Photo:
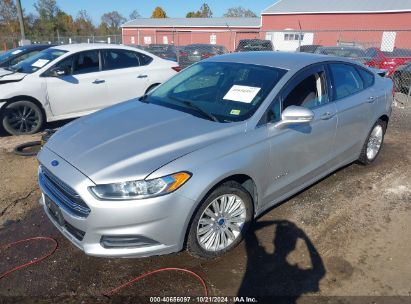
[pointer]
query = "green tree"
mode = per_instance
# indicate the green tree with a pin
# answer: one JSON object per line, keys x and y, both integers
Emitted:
{"x": 8, "y": 18}
{"x": 134, "y": 15}
{"x": 47, "y": 11}
{"x": 158, "y": 12}
{"x": 203, "y": 12}
{"x": 83, "y": 24}
{"x": 112, "y": 21}
{"x": 239, "y": 12}
{"x": 196, "y": 14}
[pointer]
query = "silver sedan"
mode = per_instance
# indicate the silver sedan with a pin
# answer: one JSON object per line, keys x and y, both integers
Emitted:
{"x": 193, "y": 162}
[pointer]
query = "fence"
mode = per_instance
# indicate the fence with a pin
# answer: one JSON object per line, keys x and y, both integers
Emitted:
{"x": 388, "y": 50}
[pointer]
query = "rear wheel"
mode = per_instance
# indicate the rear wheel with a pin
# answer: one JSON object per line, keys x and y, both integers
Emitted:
{"x": 221, "y": 221}
{"x": 372, "y": 145}
{"x": 22, "y": 117}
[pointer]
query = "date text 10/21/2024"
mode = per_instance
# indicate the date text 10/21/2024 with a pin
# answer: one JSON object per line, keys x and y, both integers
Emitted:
{"x": 203, "y": 299}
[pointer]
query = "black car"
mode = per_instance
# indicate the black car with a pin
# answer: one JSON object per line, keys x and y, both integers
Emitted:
{"x": 308, "y": 48}
{"x": 165, "y": 51}
{"x": 402, "y": 78}
{"x": 352, "y": 52}
{"x": 193, "y": 53}
{"x": 251, "y": 45}
{"x": 14, "y": 56}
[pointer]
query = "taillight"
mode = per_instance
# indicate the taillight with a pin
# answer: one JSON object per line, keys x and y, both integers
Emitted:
{"x": 177, "y": 68}
{"x": 206, "y": 55}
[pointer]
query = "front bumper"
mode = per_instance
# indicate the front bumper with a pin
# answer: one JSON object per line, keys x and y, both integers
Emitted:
{"x": 162, "y": 220}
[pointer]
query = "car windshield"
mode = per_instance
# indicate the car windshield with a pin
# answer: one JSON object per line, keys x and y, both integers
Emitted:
{"x": 7, "y": 54}
{"x": 351, "y": 53}
{"x": 37, "y": 61}
{"x": 224, "y": 92}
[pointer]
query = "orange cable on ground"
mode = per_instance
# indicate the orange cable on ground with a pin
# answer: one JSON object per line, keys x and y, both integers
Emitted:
{"x": 33, "y": 261}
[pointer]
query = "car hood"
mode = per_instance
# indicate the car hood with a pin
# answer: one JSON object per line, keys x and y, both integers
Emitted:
{"x": 9, "y": 76}
{"x": 131, "y": 140}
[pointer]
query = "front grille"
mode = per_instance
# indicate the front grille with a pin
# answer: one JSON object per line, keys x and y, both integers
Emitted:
{"x": 63, "y": 194}
{"x": 77, "y": 233}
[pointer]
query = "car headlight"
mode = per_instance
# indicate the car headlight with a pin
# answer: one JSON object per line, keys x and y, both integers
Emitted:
{"x": 141, "y": 188}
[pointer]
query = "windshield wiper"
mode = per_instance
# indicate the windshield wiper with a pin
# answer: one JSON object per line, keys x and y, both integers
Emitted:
{"x": 195, "y": 107}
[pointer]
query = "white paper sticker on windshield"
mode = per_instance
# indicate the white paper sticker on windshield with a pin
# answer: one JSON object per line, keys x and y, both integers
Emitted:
{"x": 241, "y": 93}
{"x": 40, "y": 63}
{"x": 16, "y": 52}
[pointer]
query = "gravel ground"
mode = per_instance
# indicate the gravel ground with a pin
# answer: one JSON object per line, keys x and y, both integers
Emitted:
{"x": 344, "y": 238}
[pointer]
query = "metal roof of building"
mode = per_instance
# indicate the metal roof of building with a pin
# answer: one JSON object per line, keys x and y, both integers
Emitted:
{"x": 287, "y": 7}
{"x": 194, "y": 22}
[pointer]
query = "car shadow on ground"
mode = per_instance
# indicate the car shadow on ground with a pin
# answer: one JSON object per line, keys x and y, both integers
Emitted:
{"x": 271, "y": 274}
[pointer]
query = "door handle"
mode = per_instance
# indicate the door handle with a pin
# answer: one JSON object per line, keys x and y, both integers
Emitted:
{"x": 142, "y": 76}
{"x": 371, "y": 99}
{"x": 327, "y": 115}
{"x": 97, "y": 81}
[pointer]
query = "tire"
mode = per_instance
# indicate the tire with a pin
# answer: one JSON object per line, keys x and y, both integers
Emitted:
{"x": 375, "y": 140}
{"x": 213, "y": 246}
{"x": 22, "y": 117}
{"x": 21, "y": 149}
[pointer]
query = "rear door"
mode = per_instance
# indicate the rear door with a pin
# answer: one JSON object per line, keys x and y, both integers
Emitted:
{"x": 126, "y": 73}
{"x": 300, "y": 153}
{"x": 354, "y": 96}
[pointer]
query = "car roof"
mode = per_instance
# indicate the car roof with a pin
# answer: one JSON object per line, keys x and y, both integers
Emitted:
{"x": 76, "y": 47}
{"x": 340, "y": 48}
{"x": 283, "y": 60}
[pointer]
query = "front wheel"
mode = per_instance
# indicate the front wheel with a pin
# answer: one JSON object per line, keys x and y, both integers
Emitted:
{"x": 22, "y": 117}
{"x": 221, "y": 221}
{"x": 372, "y": 145}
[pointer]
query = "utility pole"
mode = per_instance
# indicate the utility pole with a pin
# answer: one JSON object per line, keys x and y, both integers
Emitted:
{"x": 20, "y": 16}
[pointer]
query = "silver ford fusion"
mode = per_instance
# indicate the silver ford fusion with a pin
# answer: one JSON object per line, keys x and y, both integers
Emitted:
{"x": 192, "y": 163}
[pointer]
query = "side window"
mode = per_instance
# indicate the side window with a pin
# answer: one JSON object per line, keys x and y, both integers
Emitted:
{"x": 144, "y": 59}
{"x": 86, "y": 62}
{"x": 367, "y": 77}
{"x": 346, "y": 80}
{"x": 66, "y": 65}
{"x": 311, "y": 92}
{"x": 120, "y": 59}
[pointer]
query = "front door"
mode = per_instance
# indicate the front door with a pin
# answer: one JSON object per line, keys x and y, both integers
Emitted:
{"x": 82, "y": 89}
{"x": 301, "y": 152}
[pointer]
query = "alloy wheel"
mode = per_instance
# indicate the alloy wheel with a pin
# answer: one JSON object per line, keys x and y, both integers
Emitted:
{"x": 22, "y": 119}
{"x": 374, "y": 142}
{"x": 221, "y": 222}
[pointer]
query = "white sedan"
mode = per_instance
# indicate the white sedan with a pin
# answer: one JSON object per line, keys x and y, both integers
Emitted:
{"x": 69, "y": 81}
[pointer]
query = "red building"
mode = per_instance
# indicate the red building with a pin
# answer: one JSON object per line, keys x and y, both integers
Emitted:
{"x": 381, "y": 23}
{"x": 183, "y": 31}
{"x": 385, "y": 24}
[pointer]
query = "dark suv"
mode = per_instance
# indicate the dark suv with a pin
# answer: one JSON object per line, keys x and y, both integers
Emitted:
{"x": 250, "y": 45}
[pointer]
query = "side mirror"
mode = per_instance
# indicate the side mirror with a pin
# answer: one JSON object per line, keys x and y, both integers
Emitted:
{"x": 57, "y": 72}
{"x": 295, "y": 115}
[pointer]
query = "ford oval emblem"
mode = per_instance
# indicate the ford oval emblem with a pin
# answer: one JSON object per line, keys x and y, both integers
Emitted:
{"x": 54, "y": 163}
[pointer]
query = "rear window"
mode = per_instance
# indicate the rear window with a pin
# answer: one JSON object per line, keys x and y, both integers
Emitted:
{"x": 346, "y": 80}
{"x": 367, "y": 77}
{"x": 120, "y": 59}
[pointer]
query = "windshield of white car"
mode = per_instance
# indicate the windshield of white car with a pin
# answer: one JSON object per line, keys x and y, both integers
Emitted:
{"x": 218, "y": 91}
{"x": 37, "y": 61}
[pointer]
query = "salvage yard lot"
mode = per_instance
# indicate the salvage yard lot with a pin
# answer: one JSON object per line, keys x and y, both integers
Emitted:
{"x": 348, "y": 235}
